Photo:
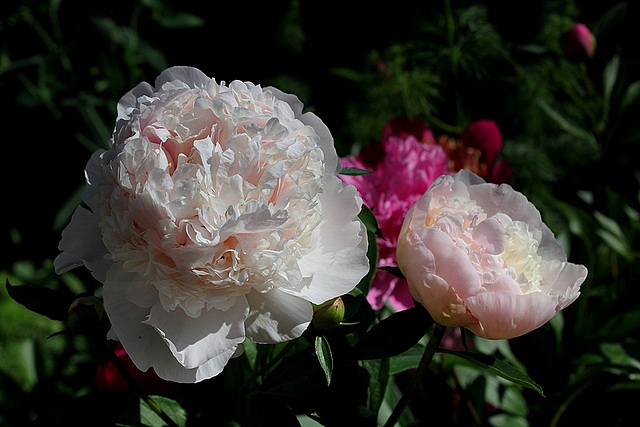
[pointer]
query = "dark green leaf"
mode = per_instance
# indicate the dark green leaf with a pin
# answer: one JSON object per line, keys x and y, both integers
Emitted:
{"x": 323, "y": 353}
{"x": 394, "y": 335}
{"x": 372, "y": 256}
{"x": 407, "y": 360}
{"x": 378, "y": 370}
{"x": 496, "y": 367}
{"x": 369, "y": 220}
{"x": 41, "y": 300}
{"x": 148, "y": 417}
{"x": 354, "y": 171}
{"x": 394, "y": 270}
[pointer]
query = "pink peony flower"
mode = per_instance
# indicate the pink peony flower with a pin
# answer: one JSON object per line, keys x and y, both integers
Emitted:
{"x": 404, "y": 167}
{"x": 578, "y": 42}
{"x": 215, "y": 215}
{"x": 484, "y": 135}
{"x": 476, "y": 150}
{"x": 478, "y": 255}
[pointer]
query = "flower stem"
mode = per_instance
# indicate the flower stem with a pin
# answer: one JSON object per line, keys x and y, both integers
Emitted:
{"x": 427, "y": 357}
{"x": 261, "y": 370}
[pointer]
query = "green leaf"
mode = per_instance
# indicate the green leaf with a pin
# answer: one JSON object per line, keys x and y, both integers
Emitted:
{"x": 393, "y": 335}
{"x": 354, "y": 171}
{"x": 496, "y": 367}
{"x": 407, "y": 360}
{"x": 378, "y": 379}
{"x": 40, "y": 299}
{"x": 369, "y": 220}
{"x": 323, "y": 353}
{"x": 609, "y": 77}
{"x": 148, "y": 417}
{"x": 372, "y": 251}
{"x": 394, "y": 271}
{"x": 568, "y": 126}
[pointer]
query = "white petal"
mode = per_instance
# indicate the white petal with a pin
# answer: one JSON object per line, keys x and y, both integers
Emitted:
{"x": 189, "y": 75}
{"x": 141, "y": 341}
{"x": 194, "y": 341}
{"x": 276, "y": 317}
{"x": 339, "y": 261}
{"x": 82, "y": 244}
{"x": 332, "y": 165}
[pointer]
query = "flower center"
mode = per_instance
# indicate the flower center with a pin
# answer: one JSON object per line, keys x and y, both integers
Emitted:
{"x": 495, "y": 245}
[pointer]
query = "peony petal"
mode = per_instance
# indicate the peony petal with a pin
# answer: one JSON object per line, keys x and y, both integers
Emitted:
{"x": 75, "y": 252}
{"x": 194, "y": 341}
{"x": 451, "y": 263}
{"x": 565, "y": 279}
{"x": 332, "y": 164}
{"x": 141, "y": 341}
{"x": 504, "y": 315}
{"x": 418, "y": 265}
{"x": 339, "y": 261}
{"x": 276, "y": 316}
{"x": 193, "y": 77}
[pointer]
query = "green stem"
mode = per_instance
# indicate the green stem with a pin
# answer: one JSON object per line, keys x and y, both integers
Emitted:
{"x": 134, "y": 387}
{"x": 277, "y": 358}
{"x": 423, "y": 366}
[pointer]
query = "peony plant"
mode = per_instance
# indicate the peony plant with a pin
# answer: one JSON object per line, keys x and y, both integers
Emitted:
{"x": 215, "y": 215}
{"x": 478, "y": 255}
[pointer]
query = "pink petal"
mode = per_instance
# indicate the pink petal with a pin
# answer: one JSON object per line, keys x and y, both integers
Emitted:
{"x": 504, "y": 315}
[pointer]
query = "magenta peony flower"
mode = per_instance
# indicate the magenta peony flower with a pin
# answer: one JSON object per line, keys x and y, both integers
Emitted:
{"x": 478, "y": 255}
{"x": 578, "y": 42}
{"x": 403, "y": 168}
{"x": 484, "y": 135}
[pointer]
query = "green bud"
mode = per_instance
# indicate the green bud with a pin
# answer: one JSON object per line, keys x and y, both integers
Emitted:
{"x": 328, "y": 315}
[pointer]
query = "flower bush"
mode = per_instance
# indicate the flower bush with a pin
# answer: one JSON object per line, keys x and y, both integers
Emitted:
{"x": 478, "y": 255}
{"x": 215, "y": 215}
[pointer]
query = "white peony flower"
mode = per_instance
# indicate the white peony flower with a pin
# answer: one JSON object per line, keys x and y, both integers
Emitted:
{"x": 215, "y": 215}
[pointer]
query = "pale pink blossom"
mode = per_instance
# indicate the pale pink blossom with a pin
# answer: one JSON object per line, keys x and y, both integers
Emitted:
{"x": 403, "y": 168}
{"x": 215, "y": 215}
{"x": 478, "y": 255}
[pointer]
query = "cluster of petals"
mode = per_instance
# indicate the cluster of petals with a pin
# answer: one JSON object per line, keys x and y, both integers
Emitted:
{"x": 478, "y": 255}
{"x": 215, "y": 215}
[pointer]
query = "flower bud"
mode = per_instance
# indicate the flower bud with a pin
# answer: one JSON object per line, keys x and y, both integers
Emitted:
{"x": 328, "y": 315}
{"x": 84, "y": 314}
{"x": 578, "y": 43}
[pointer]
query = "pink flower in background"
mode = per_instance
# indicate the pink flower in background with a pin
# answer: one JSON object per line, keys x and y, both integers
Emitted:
{"x": 478, "y": 255}
{"x": 476, "y": 150}
{"x": 108, "y": 376}
{"x": 578, "y": 42}
{"x": 404, "y": 165}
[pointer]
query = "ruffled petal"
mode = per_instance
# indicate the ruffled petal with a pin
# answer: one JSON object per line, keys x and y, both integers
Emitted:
{"x": 143, "y": 344}
{"x": 76, "y": 252}
{"x": 276, "y": 316}
{"x": 194, "y": 341}
{"x": 193, "y": 77}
